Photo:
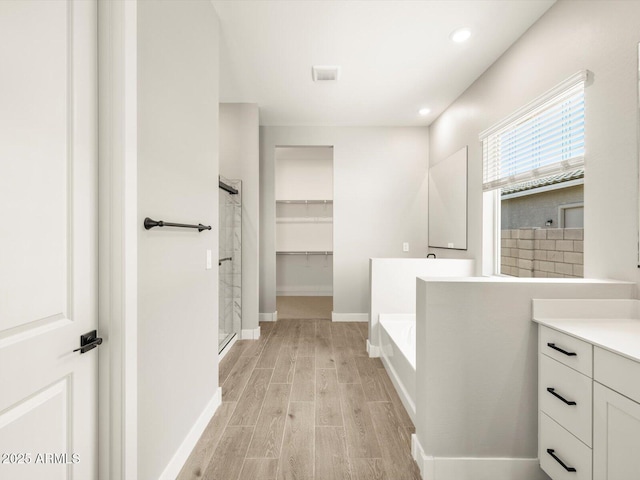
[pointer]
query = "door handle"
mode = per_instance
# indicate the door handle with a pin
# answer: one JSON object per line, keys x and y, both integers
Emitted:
{"x": 89, "y": 341}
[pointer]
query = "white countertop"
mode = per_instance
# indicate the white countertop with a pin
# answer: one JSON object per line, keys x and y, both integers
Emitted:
{"x": 618, "y": 335}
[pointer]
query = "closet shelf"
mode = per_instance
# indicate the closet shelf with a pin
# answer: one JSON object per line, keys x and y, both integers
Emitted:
{"x": 307, "y": 202}
{"x": 304, "y": 253}
{"x": 304, "y": 220}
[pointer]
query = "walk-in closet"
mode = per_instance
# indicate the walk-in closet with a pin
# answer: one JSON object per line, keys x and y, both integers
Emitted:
{"x": 304, "y": 231}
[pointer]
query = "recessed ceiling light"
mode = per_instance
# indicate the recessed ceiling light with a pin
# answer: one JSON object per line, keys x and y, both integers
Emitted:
{"x": 460, "y": 35}
{"x": 424, "y": 111}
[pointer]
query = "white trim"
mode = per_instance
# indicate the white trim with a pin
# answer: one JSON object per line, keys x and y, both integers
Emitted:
{"x": 547, "y": 188}
{"x": 226, "y": 348}
{"x": 473, "y": 468}
{"x": 490, "y": 233}
{"x": 493, "y": 468}
{"x": 372, "y": 350}
{"x": 638, "y": 147}
{"x": 349, "y": 317}
{"x": 182, "y": 454}
{"x": 250, "y": 334}
{"x": 405, "y": 398}
{"x": 268, "y": 317}
{"x": 118, "y": 238}
{"x": 576, "y": 78}
{"x": 425, "y": 463}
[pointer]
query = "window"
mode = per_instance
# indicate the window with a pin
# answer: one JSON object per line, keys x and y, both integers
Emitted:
{"x": 571, "y": 215}
{"x": 533, "y": 162}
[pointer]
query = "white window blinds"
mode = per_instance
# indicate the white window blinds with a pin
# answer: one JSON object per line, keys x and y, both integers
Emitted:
{"x": 544, "y": 138}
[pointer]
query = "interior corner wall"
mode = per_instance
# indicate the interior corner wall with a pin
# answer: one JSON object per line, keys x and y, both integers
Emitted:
{"x": 601, "y": 36}
{"x": 177, "y": 181}
{"x": 239, "y": 159}
{"x": 483, "y": 403}
{"x": 380, "y": 201}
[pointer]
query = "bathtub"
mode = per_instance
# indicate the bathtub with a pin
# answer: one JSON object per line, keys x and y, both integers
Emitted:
{"x": 398, "y": 354}
{"x": 392, "y": 287}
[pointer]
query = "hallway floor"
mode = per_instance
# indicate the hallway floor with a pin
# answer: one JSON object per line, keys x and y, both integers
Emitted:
{"x": 305, "y": 402}
{"x": 294, "y": 307}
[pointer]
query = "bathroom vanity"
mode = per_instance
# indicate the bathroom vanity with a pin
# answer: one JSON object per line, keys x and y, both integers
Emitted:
{"x": 589, "y": 388}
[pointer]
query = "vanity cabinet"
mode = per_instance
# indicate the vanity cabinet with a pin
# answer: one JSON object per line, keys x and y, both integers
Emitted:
{"x": 616, "y": 435}
{"x": 589, "y": 409}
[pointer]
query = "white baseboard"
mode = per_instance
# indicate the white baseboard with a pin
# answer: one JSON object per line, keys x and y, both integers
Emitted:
{"x": 250, "y": 334}
{"x": 421, "y": 459}
{"x": 474, "y": 468}
{"x": 373, "y": 350}
{"x": 268, "y": 317}
{"x": 349, "y": 317}
{"x": 180, "y": 457}
{"x": 405, "y": 398}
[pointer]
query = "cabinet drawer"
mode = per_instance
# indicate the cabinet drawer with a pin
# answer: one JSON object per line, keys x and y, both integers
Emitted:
{"x": 553, "y": 440}
{"x": 566, "y": 349}
{"x": 566, "y": 396}
{"x": 616, "y": 372}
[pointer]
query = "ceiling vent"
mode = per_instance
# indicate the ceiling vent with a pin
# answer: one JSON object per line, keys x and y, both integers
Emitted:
{"x": 325, "y": 73}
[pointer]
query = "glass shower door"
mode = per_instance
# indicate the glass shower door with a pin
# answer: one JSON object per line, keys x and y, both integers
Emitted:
{"x": 230, "y": 261}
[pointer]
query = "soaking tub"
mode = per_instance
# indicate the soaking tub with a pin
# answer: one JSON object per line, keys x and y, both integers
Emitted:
{"x": 398, "y": 353}
{"x": 393, "y": 287}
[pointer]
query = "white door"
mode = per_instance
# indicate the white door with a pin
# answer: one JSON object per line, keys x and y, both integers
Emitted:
{"x": 616, "y": 435}
{"x": 48, "y": 239}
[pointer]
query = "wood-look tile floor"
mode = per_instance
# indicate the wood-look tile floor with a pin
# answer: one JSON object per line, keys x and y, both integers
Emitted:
{"x": 305, "y": 402}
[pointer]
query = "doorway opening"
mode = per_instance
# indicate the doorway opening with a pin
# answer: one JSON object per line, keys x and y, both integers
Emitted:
{"x": 304, "y": 231}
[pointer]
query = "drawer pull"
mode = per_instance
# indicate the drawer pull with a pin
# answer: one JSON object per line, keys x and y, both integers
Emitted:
{"x": 552, "y": 391}
{"x": 568, "y": 354}
{"x": 568, "y": 469}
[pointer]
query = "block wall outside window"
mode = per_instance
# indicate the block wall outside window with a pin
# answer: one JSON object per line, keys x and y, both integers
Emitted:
{"x": 542, "y": 252}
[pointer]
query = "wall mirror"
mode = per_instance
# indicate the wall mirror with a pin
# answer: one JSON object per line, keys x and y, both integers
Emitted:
{"x": 448, "y": 202}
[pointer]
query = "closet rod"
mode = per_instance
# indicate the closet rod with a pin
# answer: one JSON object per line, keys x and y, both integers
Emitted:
{"x": 304, "y": 253}
{"x": 306, "y": 202}
{"x": 227, "y": 188}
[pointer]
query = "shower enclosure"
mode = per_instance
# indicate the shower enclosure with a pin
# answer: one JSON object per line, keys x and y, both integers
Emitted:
{"x": 230, "y": 261}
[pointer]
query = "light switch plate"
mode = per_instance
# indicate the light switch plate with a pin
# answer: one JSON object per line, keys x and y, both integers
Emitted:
{"x": 209, "y": 260}
{"x": 405, "y": 247}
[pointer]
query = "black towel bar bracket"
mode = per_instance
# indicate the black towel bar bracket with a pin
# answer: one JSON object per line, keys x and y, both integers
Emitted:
{"x": 149, "y": 224}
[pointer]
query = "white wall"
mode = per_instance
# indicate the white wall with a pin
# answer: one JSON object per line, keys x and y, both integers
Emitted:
{"x": 476, "y": 358}
{"x": 601, "y": 36}
{"x": 304, "y": 173}
{"x": 304, "y": 276}
{"x": 239, "y": 159}
{"x": 177, "y": 175}
{"x": 380, "y": 198}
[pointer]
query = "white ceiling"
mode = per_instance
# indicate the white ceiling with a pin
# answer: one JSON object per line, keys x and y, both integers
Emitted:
{"x": 395, "y": 56}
